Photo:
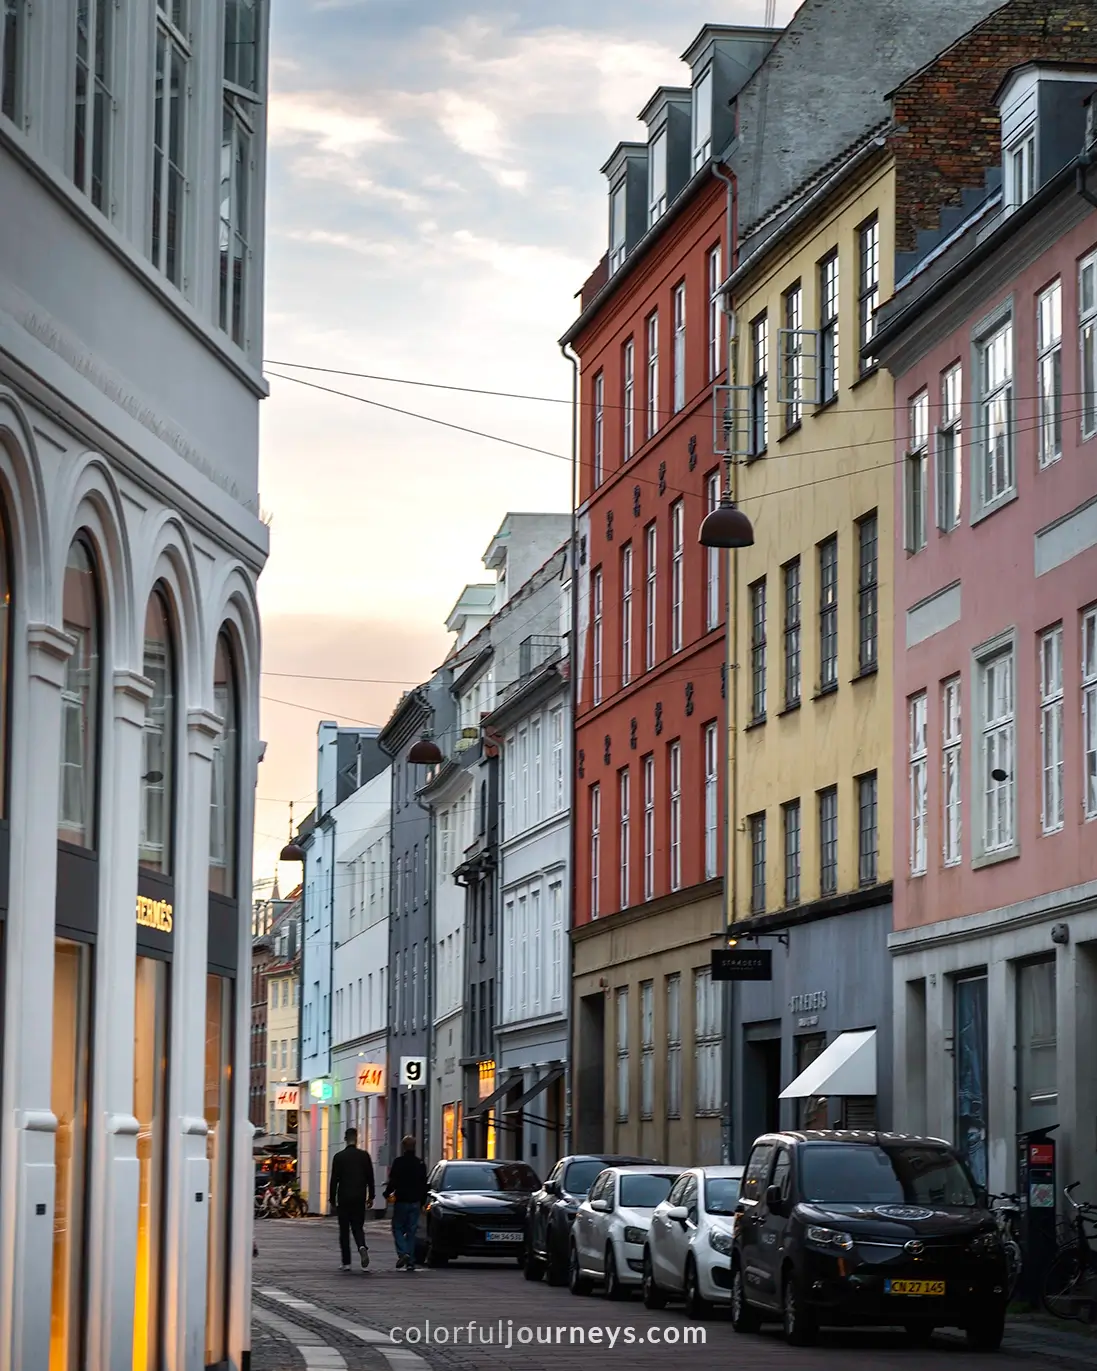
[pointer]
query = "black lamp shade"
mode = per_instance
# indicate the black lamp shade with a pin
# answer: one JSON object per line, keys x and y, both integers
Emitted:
{"x": 726, "y": 526}
{"x": 292, "y": 852}
{"x": 425, "y": 752}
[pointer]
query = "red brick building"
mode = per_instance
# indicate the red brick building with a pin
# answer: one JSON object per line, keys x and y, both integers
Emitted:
{"x": 650, "y": 635}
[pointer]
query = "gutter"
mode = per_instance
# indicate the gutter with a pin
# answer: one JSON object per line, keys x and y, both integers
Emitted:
{"x": 573, "y": 702}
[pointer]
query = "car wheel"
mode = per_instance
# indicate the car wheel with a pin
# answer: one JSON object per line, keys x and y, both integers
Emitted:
{"x": 919, "y": 1334}
{"x": 800, "y": 1328}
{"x": 557, "y": 1264}
{"x": 614, "y": 1289}
{"x": 696, "y": 1304}
{"x": 985, "y": 1333}
{"x": 432, "y": 1256}
{"x": 578, "y": 1284}
{"x": 533, "y": 1267}
{"x": 653, "y": 1296}
{"x": 744, "y": 1319}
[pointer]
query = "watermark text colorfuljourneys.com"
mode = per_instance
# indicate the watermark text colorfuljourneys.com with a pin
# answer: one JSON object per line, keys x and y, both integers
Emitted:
{"x": 506, "y": 1333}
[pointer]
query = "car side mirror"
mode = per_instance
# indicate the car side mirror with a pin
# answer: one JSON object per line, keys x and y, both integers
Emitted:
{"x": 601, "y": 1206}
{"x": 678, "y": 1212}
{"x": 551, "y": 1188}
{"x": 775, "y": 1199}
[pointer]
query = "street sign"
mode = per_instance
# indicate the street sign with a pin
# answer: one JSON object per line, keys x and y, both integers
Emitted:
{"x": 413, "y": 1071}
{"x": 371, "y": 1078}
{"x": 742, "y": 964}
{"x": 287, "y": 1097}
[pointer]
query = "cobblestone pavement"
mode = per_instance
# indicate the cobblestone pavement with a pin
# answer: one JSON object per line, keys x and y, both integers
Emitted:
{"x": 297, "y": 1278}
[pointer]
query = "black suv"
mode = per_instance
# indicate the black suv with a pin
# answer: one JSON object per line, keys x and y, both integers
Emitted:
{"x": 863, "y": 1229}
{"x": 552, "y": 1211}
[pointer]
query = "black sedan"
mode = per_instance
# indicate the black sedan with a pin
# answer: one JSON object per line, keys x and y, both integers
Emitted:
{"x": 552, "y": 1211}
{"x": 475, "y": 1209}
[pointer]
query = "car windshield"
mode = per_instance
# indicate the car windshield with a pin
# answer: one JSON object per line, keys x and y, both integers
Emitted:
{"x": 580, "y": 1176}
{"x": 473, "y": 1176}
{"x": 857, "y": 1174}
{"x": 721, "y": 1194}
{"x": 644, "y": 1192}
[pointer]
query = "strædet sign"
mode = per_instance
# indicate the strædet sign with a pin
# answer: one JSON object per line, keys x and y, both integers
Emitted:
{"x": 742, "y": 964}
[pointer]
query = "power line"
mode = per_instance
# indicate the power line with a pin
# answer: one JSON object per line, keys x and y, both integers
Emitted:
{"x": 349, "y": 680}
{"x": 293, "y": 704}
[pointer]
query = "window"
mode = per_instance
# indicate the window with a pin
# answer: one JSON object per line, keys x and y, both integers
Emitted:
{"x": 523, "y": 779}
{"x": 673, "y": 1098}
{"x": 949, "y": 451}
{"x": 1051, "y": 729}
{"x": 76, "y": 822}
{"x": 647, "y": 1049}
{"x": 653, "y": 374}
{"x": 828, "y": 614}
{"x": 237, "y": 131}
{"x": 713, "y": 608}
{"x": 657, "y": 177}
{"x": 169, "y": 181}
{"x": 1089, "y": 713}
{"x": 650, "y": 595}
{"x": 12, "y": 37}
{"x": 625, "y": 816}
{"x": 868, "y": 288}
{"x": 1037, "y": 1046}
{"x": 677, "y": 573}
{"x": 996, "y": 362}
{"x": 618, "y": 226}
{"x": 596, "y": 633}
{"x": 828, "y": 841}
{"x": 998, "y": 763}
{"x": 715, "y": 314}
{"x": 556, "y": 898}
{"x": 794, "y": 356}
{"x": 158, "y": 739}
{"x": 707, "y": 1040}
{"x": 1049, "y": 370}
{"x": 557, "y": 723}
{"x": 626, "y": 614}
{"x": 919, "y": 783}
{"x": 536, "y": 814}
{"x": 868, "y": 832}
{"x": 950, "y": 769}
{"x": 757, "y": 593}
{"x": 94, "y": 101}
{"x": 759, "y": 385}
{"x": 867, "y": 588}
{"x": 917, "y": 469}
{"x": 649, "y": 826}
{"x": 628, "y": 399}
{"x": 523, "y": 956}
{"x": 791, "y": 572}
{"x": 702, "y": 120}
{"x": 712, "y": 801}
{"x": 757, "y": 825}
{"x": 674, "y": 773}
{"x": 679, "y": 347}
{"x": 622, "y": 1054}
{"x": 1087, "y": 327}
{"x": 225, "y": 779}
{"x": 595, "y": 847}
{"x": 791, "y": 815}
{"x": 1021, "y": 166}
{"x": 599, "y": 403}
{"x": 828, "y": 328}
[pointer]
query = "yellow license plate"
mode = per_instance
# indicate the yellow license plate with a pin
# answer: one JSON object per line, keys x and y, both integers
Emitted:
{"x": 915, "y": 1287}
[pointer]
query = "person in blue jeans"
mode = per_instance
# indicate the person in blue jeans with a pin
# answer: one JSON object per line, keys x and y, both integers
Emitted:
{"x": 407, "y": 1189}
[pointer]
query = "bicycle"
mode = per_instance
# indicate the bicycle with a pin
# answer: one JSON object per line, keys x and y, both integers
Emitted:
{"x": 1070, "y": 1286}
{"x": 1007, "y": 1215}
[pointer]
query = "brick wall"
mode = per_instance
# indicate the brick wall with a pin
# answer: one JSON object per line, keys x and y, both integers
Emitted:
{"x": 946, "y": 123}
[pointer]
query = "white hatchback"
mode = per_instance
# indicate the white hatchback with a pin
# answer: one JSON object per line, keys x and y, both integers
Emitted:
{"x": 688, "y": 1251}
{"x": 611, "y": 1228}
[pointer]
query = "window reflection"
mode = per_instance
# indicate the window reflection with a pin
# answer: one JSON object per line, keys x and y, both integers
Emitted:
{"x": 158, "y": 755}
{"x": 80, "y": 700}
{"x": 149, "y": 1091}
{"x": 225, "y": 779}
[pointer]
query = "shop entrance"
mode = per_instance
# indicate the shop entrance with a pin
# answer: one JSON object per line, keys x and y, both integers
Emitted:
{"x": 761, "y": 1080}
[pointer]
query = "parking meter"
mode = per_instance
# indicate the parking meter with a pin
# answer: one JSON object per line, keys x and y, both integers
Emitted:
{"x": 1037, "y": 1187}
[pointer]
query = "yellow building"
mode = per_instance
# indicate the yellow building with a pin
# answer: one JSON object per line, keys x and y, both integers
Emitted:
{"x": 811, "y": 622}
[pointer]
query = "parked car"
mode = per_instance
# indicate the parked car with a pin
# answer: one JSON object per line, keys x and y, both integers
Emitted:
{"x": 611, "y": 1227}
{"x": 475, "y": 1209}
{"x": 688, "y": 1252}
{"x": 553, "y": 1208}
{"x": 865, "y": 1229}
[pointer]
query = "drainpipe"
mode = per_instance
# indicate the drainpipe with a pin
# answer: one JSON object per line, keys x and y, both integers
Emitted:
{"x": 573, "y": 696}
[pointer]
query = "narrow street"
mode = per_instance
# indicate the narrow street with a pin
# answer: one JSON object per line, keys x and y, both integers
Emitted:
{"x": 309, "y": 1314}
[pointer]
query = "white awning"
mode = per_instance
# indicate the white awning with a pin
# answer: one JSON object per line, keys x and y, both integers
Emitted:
{"x": 846, "y": 1067}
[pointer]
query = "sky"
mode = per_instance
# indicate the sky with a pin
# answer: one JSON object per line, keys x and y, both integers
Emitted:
{"x": 434, "y": 203}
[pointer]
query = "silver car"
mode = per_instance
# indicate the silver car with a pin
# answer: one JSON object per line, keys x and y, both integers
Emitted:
{"x": 611, "y": 1228}
{"x": 688, "y": 1251}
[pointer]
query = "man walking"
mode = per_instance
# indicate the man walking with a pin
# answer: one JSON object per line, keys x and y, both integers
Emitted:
{"x": 407, "y": 1188}
{"x": 350, "y": 1194}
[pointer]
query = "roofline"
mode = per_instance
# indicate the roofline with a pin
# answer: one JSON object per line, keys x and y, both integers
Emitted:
{"x": 621, "y": 146}
{"x": 664, "y": 94}
{"x": 1037, "y": 65}
{"x": 932, "y": 61}
{"x": 719, "y": 31}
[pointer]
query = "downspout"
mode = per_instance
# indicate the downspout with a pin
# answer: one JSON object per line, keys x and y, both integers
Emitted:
{"x": 573, "y": 700}
{"x": 428, "y": 895}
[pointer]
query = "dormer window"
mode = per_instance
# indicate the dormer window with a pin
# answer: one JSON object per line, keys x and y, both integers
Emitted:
{"x": 702, "y": 120}
{"x": 1021, "y": 170}
{"x": 657, "y": 177}
{"x": 617, "y": 238}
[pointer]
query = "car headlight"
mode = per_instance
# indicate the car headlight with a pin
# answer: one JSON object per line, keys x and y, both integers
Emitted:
{"x": 720, "y": 1242}
{"x": 636, "y": 1235}
{"x": 829, "y": 1237}
{"x": 986, "y": 1244}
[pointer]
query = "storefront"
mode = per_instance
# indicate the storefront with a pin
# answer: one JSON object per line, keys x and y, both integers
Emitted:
{"x": 812, "y": 1046}
{"x": 360, "y": 1078}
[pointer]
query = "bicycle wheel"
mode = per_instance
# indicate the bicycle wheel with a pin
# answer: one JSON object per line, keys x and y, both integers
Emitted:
{"x": 1070, "y": 1286}
{"x": 1013, "y": 1266}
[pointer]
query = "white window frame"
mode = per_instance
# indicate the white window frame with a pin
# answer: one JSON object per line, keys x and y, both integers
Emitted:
{"x": 715, "y": 313}
{"x": 951, "y": 774}
{"x": 756, "y": 595}
{"x": 556, "y": 900}
{"x": 651, "y": 594}
{"x": 657, "y": 177}
{"x": 595, "y": 849}
{"x": 995, "y": 666}
{"x": 1052, "y": 804}
{"x": 628, "y": 406}
{"x": 596, "y": 634}
{"x": 1089, "y": 713}
{"x": 13, "y": 99}
{"x": 674, "y": 796}
{"x": 1049, "y": 372}
{"x": 756, "y": 827}
{"x": 702, "y": 119}
{"x": 1021, "y": 170}
{"x": 557, "y": 721}
{"x": 652, "y": 397}
{"x": 868, "y": 288}
{"x": 621, "y": 1007}
{"x": 830, "y": 288}
{"x": 714, "y": 609}
{"x": 624, "y": 821}
{"x": 677, "y": 574}
{"x": 792, "y": 840}
{"x": 537, "y": 759}
{"x": 712, "y": 800}
{"x": 918, "y": 740}
{"x": 170, "y": 41}
{"x": 99, "y": 100}
{"x": 792, "y": 344}
{"x": 618, "y": 226}
{"x": 599, "y": 427}
{"x": 649, "y": 826}
{"x": 708, "y": 1037}
{"x": 916, "y": 484}
{"x": 673, "y": 1100}
{"x": 996, "y": 416}
{"x": 679, "y": 353}
{"x": 626, "y": 614}
{"x": 647, "y": 1049}
{"x": 238, "y": 138}
{"x": 950, "y": 464}
{"x": 1087, "y": 341}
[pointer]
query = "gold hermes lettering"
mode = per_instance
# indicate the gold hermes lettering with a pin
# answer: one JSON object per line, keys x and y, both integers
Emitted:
{"x": 154, "y": 914}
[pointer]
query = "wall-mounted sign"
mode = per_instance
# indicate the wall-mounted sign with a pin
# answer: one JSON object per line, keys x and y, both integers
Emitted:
{"x": 321, "y": 1089}
{"x": 413, "y": 1071}
{"x": 371, "y": 1078}
{"x": 742, "y": 964}
{"x": 804, "y": 1004}
{"x": 287, "y": 1097}
{"x": 154, "y": 914}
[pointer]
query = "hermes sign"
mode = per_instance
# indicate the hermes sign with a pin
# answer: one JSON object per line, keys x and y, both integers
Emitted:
{"x": 154, "y": 914}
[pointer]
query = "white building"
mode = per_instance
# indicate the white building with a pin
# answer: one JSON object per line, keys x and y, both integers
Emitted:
{"x": 282, "y": 974}
{"x": 132, "y": 151}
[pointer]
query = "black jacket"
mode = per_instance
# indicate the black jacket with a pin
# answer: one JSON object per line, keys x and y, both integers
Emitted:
{"x": 407, "y": 1183}
{"x": 351, "y": 1177}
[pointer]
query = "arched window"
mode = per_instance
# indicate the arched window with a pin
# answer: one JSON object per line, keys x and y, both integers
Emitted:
{"x": 158, "y": 756}
{"x": 226, "y": 773}
{"x": 80, "y": 700}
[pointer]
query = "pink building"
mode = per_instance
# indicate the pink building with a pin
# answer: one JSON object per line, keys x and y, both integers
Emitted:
{"x": 992, "y": 339}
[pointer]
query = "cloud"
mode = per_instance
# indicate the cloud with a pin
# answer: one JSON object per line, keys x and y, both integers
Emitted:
{"x": 324, "y": 120}
{"x": 346, "y": 241}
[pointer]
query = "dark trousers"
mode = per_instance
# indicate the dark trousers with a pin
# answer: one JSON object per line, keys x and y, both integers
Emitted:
{"x": 405, "y": 1225}
{"x": 351, "y": 1216}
